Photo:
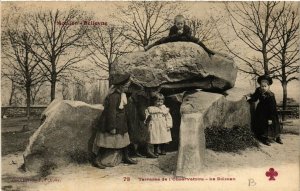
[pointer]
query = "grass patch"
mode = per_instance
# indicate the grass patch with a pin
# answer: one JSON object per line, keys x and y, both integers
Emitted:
{"x": 13, "y": 138}
{"x": 229, "y": 139}
{"x": 13, "y": 142}
{"x": 16, "y": 124}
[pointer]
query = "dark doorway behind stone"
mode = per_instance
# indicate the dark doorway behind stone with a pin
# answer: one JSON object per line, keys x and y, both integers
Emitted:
{"x": 174, "y": 107}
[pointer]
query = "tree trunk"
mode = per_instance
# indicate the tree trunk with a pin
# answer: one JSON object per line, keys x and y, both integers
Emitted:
{"x": 28, "y": 103}
{"x": 109, "y": 70}
{"x": 265, "y": 41}
{"x": 12, "y": 92}
{"x": 53, "y": 85}
{"x": 33, "y": 99}
{"x": 284, "y": 99}
{"x": 53, "y": 76}
{"x": 266, "y": 68}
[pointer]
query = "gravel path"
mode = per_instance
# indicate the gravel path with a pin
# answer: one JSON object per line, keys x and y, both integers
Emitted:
{"x": 246, "y": 171}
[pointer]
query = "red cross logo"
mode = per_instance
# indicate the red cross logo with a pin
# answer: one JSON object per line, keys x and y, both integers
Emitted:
{"x": 271, "y": 173}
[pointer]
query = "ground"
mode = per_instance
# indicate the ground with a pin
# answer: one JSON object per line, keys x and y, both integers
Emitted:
{"x": 14, "y": 139}
{"x": 247, "y": 168}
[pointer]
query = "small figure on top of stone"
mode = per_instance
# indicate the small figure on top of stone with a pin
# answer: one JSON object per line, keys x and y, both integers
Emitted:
{"x": 180, "y": 32}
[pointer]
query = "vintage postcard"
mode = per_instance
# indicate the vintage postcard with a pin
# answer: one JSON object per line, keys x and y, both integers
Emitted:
{"x": 150, "y": 95}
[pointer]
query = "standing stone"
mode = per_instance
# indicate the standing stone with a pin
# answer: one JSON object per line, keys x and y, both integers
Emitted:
{"x": 63, "y": 137}
{"x": 200, "y": 110}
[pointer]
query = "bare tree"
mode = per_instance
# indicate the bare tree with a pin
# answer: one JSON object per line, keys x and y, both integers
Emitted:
{"x": 271, "y": 30}
{"x": 80, "y": 91}
{"x": 19, "y": 65}
{"x": 287, "y": 67}
{"x": 8, "y": 18}
{"x": 11, "y": 15}
{"x": 95, "y": 94}
{"x": 147, "y": 21}
{"x": 17, "y": 96}
{"x": 59, "y": 39}
{"x": 65, "y": 89}
{"x": 13, "y": 88}
{"x": 106, "y": 45}
{"x": 205, "y": 30}
{"x": 255, "y": 25}
{"x": 35, "y": 90}
{"x": 103, "y": 89}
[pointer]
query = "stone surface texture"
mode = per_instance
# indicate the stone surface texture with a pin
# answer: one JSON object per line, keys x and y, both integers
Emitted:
{"x": 200, "y": 110}
{"x": 63, "y": 136}
{"x": 178, "y": 65}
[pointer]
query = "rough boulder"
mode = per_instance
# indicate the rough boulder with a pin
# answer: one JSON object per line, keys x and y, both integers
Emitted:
{"x": 63, "y": 136}
{"x": 178, "y": 65}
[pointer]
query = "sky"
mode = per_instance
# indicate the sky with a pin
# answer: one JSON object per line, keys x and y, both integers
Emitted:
{"x": 105, "y": 8}
{"x": 103, "y": 11}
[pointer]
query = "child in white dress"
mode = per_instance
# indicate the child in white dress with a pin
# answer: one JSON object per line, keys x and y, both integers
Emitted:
{"x": 159, "y": 123}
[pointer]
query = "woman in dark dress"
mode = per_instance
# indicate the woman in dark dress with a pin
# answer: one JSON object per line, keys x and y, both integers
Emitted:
{"x": 113, "y": 126}
{"x": 266, "y": 119}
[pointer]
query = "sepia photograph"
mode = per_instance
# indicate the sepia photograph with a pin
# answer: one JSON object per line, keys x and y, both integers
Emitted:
{"x": 150, "y": 95}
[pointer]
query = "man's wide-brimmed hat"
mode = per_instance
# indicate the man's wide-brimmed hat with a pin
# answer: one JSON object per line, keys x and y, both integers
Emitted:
{"x": 119, "y": 79}
{"x": 265, "y": 77}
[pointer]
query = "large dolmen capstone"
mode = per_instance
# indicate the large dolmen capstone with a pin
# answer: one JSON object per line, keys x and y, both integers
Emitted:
{"x": 63, "y": 136}
{"x": 200, "y": 110}
{"x": 178, "y": 65}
